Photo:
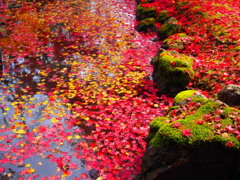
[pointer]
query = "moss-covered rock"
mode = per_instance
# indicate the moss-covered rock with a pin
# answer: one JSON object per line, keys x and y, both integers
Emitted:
{"x": 190, "y": 138}
{"x": 146, "y": 25}
{"x": 197, "y": 123}
{"x": 145, "y": 12}
{"x": 176, "y": 41}
{"x": 172, "y": 71}
{"x": 185, "y": 96}
{"x": 169, "y": 28}
{"x": 163, "y": 16}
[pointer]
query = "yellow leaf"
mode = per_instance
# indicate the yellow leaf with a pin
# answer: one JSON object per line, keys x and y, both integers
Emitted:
{"x": 28, "y": 165}
{"x": 3, "y": 126}
{"x": 87, "y": 118}
{"x": 54, "y": 120}
{"x": 65, "y": 175}
{"x": 20, "y": 131}
{"x": 77, "y": 137}
{"x": 7, "y": 109}
{"x": 69, "y": 137}
{"x": 31, "y": 170}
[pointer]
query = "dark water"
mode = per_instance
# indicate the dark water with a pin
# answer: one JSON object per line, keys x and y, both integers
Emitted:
{"x": 23, "y": 88}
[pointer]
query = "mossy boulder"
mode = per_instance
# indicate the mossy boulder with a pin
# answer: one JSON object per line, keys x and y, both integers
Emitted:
{"x": 145, "y": 12}
{"x": 196, "y": 123}
{"x": 170, "y": 27}
{"x": 163, "y": 16}
{"x": 172, "y": 71}
{"x": 185, "y": 96}
{"x": 176, "y": 41}
{"x": 199, "y": 136}
{"x": 146, "y": 25}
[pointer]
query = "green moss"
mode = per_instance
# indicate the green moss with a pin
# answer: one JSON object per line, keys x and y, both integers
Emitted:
{"x": 182, "y": 35}
{"x": 227, "y": 111}
{"x": 166, "y": 134}
{"x": 165, "y": 131}
{"x": 175, "y": 41}
{"x": 169, "y": 28}
{"x": 147, "y": 22}
{"x": 146, "y": 25}
{"x": 163, "y": 16}
{"x": 145, "y": 12}
{"x": 201, "y": 134}
{"x": 226, "y": 6}
{"x": 157, "y": 140}
{"x": 170, "y": 43}
{"x": 226, "y": 122}
{"x": 174, "y": 68}
{"x": 208, "y": 106}
{"x": 154, "y": 127}
{"x": 157, "y": 123}
{"x": 183, "y": 95}
{"x": 181, "y": 6}
{"x": 173, "y": 107}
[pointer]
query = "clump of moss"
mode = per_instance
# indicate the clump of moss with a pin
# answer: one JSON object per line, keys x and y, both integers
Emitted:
{"x": 145, "y": 25}
{"x": 145, "y": 12}
{"x": 163, "y": 16}
{"x": 196, "y": 123}
{"x": 185, "y": 96}
{"x": 176, "y": 41}
{"x": 173, "y": 68}
{"x": 170, "y": 27}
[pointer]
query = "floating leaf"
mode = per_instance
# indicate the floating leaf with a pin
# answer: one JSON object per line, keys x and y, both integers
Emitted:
{"x": 20, "y": 131}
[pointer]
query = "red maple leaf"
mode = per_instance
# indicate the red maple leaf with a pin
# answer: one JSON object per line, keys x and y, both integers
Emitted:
{"x": 186, "y": 132}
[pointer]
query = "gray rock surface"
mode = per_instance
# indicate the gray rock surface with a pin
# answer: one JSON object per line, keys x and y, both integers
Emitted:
{"x": 230, "y": 94}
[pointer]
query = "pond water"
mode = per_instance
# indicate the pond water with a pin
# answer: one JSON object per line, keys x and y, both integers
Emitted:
{"x": 38, "y": 155}
{"x": 38, "y": 139}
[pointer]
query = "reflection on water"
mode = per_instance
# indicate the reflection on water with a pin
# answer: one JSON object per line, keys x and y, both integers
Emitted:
{"x": 38, "y": 138}
{"x": 46, "y": 155}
